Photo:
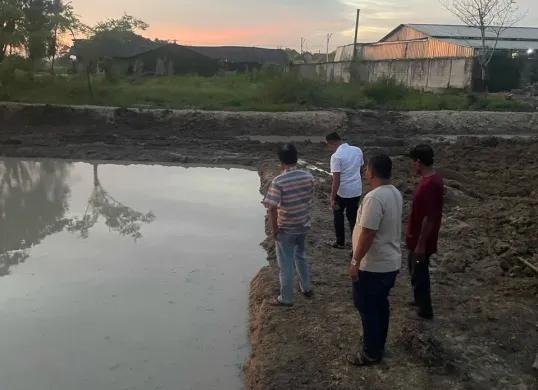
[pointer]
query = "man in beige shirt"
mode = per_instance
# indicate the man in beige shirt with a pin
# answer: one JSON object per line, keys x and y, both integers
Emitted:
{"x": 376, "y": 259}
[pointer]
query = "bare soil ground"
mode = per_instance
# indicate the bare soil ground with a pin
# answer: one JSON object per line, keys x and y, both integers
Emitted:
{"x": 485, "y": 333}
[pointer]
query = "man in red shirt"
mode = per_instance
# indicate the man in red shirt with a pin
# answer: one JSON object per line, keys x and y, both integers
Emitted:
{"x": 423, "y": 226}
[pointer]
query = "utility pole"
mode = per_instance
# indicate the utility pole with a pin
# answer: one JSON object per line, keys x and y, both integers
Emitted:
{"x": 356, "y": 35}
{"x": 303, "y": 41}
{"x": 328, "y": 39}
{"x": 354, "y": 57}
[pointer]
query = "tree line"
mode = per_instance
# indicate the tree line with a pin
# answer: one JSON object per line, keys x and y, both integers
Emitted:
{"x": 37, "y": 30}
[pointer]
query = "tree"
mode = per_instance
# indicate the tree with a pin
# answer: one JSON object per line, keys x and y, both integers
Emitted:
{"x": 491, "y": 17}
{"x": 106, "y": 34}
{"x": 63, "y": 20}
{"x": 36, "y": 28}
{"x": 11, "y": 15}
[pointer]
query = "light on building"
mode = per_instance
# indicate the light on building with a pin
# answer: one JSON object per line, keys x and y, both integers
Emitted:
{"x": 530, "y": 51}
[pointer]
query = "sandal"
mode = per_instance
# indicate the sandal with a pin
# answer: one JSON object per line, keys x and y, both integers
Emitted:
{"x": 278, "y": 303}
{"x": 360, "y": 360}
{"x": 334, "y": 244}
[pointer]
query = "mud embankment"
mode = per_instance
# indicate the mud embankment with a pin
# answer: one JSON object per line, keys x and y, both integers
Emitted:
{"x": 485, "y": 333}
{"x": 192, "y": 123}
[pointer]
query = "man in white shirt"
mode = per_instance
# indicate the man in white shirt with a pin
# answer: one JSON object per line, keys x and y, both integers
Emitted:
{"x": 346, "y": 164}
{"x": 377, "y": 258}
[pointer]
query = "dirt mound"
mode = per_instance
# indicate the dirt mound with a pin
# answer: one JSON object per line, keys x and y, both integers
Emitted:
{"x": 485, "y": 331}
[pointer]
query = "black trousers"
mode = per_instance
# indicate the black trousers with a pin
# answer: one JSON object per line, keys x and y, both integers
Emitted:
{"x": 371, "y": 299}
{"x": 349, "y": 206}
{"x": 420, "y": 280}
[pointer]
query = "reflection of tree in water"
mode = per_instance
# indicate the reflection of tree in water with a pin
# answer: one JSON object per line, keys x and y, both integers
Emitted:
{"x": 33, "y": 203}
{"x": 118, "y": 217}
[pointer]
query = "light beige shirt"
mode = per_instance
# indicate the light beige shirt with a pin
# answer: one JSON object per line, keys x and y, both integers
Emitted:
{"x": 381, "y": 210}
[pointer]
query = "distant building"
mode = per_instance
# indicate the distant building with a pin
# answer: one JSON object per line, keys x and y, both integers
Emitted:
{"x": 345, "y": 53}
{"x": 242, "y": 58}
{"x": 444, "y": 41}
{"x": 436, "y": 57}
{"x": 140, "y": 55}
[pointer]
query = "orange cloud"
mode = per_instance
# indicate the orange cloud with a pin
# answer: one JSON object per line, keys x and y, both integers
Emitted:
{"x": 198, "y": 36}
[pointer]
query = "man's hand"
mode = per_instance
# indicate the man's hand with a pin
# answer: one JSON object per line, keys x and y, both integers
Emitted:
{"x": 276, "y": 233}
{"x": 419, "y": 253}
{"x": 334, "y": 205}
{"x": 354, "y": 272}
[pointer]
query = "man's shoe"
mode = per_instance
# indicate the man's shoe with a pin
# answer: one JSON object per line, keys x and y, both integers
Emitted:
{"x": 335, "y": 245}
{"x": 424, "y": 316}
{"x": 309, "y": 294}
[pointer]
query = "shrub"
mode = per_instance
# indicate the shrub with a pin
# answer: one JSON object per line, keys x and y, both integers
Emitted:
{"x": 295, "y": 90}
{"x": 385, "y": 90}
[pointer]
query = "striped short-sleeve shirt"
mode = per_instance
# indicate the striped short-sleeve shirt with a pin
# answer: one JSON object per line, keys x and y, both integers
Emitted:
{"x": 292, "y": 193}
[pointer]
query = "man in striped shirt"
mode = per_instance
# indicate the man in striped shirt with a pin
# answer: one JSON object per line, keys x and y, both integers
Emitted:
{"x": 289, "y": 201}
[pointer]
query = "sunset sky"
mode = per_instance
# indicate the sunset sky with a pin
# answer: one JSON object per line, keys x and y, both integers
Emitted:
{"x": 272, "y": 23}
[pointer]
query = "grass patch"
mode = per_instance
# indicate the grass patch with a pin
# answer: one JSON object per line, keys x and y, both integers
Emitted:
{"x": 272, "y": 91}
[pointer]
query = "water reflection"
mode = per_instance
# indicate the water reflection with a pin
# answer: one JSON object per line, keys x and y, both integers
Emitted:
{"x": 118, "y": 217}
{"x": 34, "y": 204}
{"x": 172, "y": 309}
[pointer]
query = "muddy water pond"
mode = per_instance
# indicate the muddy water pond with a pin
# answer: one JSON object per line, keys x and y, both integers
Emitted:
{"x": 118, "y": 277}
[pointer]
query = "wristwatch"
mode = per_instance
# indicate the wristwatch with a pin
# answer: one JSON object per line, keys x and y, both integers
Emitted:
{"x": 354, "y": 263}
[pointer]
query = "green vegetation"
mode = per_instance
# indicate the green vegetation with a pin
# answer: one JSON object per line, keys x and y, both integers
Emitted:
{"x": 269, "y": 90}
{"x": 36, "y": 28}
{"x": 32, "y": 52}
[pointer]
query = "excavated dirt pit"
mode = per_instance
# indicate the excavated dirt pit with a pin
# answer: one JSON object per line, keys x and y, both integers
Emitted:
{"x": 485, "y": 333}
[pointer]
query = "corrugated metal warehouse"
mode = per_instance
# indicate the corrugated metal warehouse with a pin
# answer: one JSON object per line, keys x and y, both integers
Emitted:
{"x": 441, "y": 41}
{"x": 345, "y": 53}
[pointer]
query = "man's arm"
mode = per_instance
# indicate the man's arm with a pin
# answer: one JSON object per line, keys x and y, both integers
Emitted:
{"x": 271, "y": 201}
{"x": 273, "y": 220}
{"x": 370, "y": 218}
{"x": 336, "y": 170}
{"x": 366, "y": 239}
{"x": 431, "y": 204}
{"x": 425, "y": 232}
{"x": 335, "y": 187}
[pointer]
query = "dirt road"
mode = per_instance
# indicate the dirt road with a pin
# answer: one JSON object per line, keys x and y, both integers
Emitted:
{"x": 485, "y": 333}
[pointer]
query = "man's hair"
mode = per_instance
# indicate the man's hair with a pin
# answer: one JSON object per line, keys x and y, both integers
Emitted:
{"x": 381, "y": 166}
{"x": 333, "y": 137}
{"x": 423, "y": 154}
{"x": 287, "y": 154}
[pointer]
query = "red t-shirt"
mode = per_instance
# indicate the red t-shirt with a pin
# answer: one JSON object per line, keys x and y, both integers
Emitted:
{"x": 427, "y": 202}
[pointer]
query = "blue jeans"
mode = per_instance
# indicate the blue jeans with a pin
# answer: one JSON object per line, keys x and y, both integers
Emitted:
{"x": 371, "y": 298}
{"x": 291, "y": 254}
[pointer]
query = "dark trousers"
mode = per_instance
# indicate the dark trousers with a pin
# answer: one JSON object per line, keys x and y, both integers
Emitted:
{"x": 420, "y": 280}
{"x": 371, "y": 298}
{"x": 350, "y": 206}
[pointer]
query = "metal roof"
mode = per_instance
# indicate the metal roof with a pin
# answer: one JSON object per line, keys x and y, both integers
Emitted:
{"x": 456, "y": 32}
{"x": 501, "y": 45}
{"x": 243, "y": 54}
{"x": 345, "y": 53}
{"x": 130, "y": 45}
